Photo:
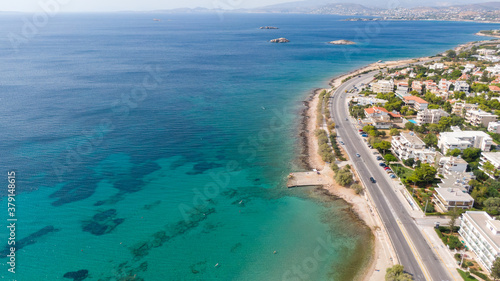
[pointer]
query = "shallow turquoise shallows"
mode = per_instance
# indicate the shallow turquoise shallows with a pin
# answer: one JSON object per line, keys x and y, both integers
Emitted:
{"x": 160, "y": 149}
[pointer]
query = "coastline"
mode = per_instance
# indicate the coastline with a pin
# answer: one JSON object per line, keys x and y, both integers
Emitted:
{"x": 383, "y": 255}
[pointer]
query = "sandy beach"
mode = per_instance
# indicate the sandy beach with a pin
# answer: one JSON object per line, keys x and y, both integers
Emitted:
{"x": 383, "y": 255}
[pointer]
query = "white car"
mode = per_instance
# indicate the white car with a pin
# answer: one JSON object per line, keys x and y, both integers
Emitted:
{"x": 357, "y": 155}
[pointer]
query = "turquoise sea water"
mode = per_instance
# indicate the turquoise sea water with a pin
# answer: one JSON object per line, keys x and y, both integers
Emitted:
{"x": 158, "y": 150}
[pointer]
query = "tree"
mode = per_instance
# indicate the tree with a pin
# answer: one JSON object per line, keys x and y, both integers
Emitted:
{"x": 424, "y": 173}
{"x": 492, "y": 206}
{"x": 390, "y": 158}
{"x": 396, "y": 273}
{"x": 451, "y": 54}
{"x": 455, "y": 152}
{"x": 471, "y": 154}
{"x": 454, "y": 214}
{"x": 384, "y": 145}
{"x": 409, "y": 162}
{"x": 410, "y": 126}
{"x": 430, "y": 140}
{"x": 344, "y": 177}
{"x": 447, "y": 107}
{"x": 495, "y": 269}
{"x": 394, "y": 132}
{"x": 357, "y": 188}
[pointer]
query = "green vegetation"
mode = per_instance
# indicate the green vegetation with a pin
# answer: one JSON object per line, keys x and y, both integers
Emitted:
{"x": 446, "y": 236}
{"x": 423, "y": 174}
{"x": 394, "y": 103}
{"x": 344, "y": 176}
{"x": 324, "y": 149}
{"x": 390, "y": 158}
{"x": 495, "y": 269}
{"x": 401, "y": 171}
{"x": 480, "y": 275}
{"x": 358, "y": 189}
{"x": 397, "y": 273}
{"x": 466, "y": 275}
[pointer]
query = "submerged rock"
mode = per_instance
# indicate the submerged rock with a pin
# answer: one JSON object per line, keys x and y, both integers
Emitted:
{"x": 268, "y": 27}
{"x": 77, "y": 275}
{"x": 280, "y": 40}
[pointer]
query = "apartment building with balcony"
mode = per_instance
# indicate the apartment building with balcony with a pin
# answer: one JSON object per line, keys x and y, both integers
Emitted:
{"x": 461, "y": 108}
{"x": 490, "y": 164}
{"x": 409, "y": 145}
{"x": 446, "y": 199}
{"x": 430, "y": 116}
{"x": 479, "y": 118}
{"x": 481, "y": 234}
{"x": 464, "y": 139}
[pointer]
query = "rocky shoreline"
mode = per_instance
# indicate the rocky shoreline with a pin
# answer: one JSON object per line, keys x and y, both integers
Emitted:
{"x": 280, "y": 40}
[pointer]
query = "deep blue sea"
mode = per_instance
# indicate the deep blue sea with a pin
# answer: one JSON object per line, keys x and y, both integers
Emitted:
{"x": 158, "y": 150}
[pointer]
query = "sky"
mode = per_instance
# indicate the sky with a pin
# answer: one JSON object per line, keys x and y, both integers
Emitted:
{"x": 127, "y": 5}
{"x": 148, "y": 5}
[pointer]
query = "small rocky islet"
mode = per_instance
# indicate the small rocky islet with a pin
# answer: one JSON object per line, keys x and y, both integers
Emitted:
{"x": 280, "y": 40}
{"x": 268, "y": 27}
{"x": 342, "y": 42}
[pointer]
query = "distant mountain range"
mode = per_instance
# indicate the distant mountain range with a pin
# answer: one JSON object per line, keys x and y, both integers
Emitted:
{"x": 487, "y": 11}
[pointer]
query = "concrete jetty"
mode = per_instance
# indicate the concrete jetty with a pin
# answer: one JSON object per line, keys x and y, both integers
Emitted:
{"x": 305, "y": 179}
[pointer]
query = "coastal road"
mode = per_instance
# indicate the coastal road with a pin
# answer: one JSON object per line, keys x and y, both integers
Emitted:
{"x": 411, "y": 248}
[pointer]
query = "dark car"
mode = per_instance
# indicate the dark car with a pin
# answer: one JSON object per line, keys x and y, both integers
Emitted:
{"x": 379, "y": 158}
{"x": 372, "y": 180}
{"x": 381, "y": 164}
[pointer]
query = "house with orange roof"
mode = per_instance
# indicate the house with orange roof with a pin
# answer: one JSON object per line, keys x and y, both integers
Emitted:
{"x": 494, "y": 88}
{"x": 416, "y": 102}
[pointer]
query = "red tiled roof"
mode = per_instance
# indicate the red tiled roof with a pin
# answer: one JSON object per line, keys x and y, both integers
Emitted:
{"x": 372, "y": 110}
{"x": 494, "y": 88}
{"x": 416, "y": 99}
{"x": 395, "y": 115}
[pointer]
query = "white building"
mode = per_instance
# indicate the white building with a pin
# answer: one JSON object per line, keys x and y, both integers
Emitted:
{"x": 437, "y": 66}
{"x": 479, "y": 118}
{"x": 494, "y": 127}
{"x": 464, "y": 139}
{"x": 481, "y": 234}
{"x": 449, "y": 164}
{"x": 444, "y": 85}
{"x": 486, "y": 52}
{"x": 469, "y": 67}
{"x": 461, "y": 86}
{"x": 408, "y": 145}
{"x": 494, "y": 159}
{"x": 369, "y": 101}
{"x": 430, "y": 116}
{"x": 383, "y": 86}
{"x": 447, "y": 199}
{"x": 460, "y": 180}
{"x": 494, "y": 70}
{"x": 460, "y": 108}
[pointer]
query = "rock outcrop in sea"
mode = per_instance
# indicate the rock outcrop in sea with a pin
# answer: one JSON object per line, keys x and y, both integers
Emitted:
{"x": 268, "y": 27}
{"x": 342, "y": 42}
{"x": 280, "y": 40}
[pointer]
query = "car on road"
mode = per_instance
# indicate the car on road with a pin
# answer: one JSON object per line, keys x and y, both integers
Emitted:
{"x": 341, "y": 142}
{"x": 364, "y": 135}
{"x": 346, "y": 119}
{"x": 372, "y": 180}
{"x": 379, "y": 158}
{"x": 370, "y": 146}
{"x": 382, "y": 164}
{"x": 357, "y": 155}
{"x": 393, "y": 176}
{"x": 360, "y": 131}
{"x": 375, "y": 153}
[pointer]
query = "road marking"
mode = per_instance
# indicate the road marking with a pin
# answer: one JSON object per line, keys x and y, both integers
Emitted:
{"x": 437, "y": 252}
{"x": 415, "y": 253}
